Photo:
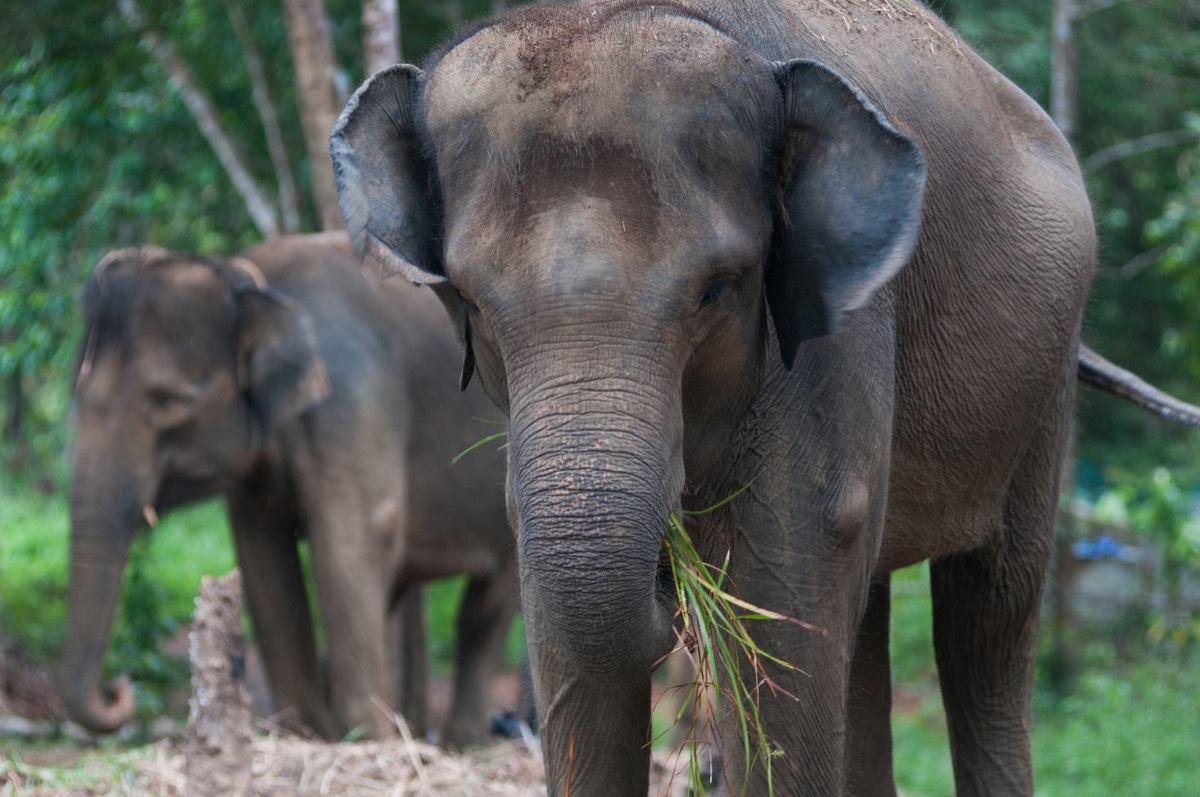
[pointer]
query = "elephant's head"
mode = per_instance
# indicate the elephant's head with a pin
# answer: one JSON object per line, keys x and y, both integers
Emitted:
{"x": 612, "y": 200}
{"x": 187, "y": 365}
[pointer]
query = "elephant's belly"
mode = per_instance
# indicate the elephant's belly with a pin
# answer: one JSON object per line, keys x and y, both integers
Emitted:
{"x": 916, "y": 531}
{"x": 431, "y": 562}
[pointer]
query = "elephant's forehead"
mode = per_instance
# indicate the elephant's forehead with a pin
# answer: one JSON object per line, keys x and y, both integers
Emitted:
{"x": 577, "y": 74}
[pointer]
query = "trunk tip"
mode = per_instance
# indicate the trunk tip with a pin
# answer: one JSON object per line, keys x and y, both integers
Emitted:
{"x": 103, "y": 712}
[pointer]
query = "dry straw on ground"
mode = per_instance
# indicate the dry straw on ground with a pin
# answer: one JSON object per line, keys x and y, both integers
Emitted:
{"x": 285, "y": 766}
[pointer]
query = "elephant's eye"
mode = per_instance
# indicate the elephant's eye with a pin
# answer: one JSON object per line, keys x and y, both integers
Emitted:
{"x": 164, "y": 408}
{"x": 716, "y": 291}
{"x": 159, "y": 400}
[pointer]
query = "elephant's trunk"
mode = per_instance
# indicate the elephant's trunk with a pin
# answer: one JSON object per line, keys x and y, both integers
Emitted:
{"x": 596, "y": 471}
{"x": 103, "y": 518}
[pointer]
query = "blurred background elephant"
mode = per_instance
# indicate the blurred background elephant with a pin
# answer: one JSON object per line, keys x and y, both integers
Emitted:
{"x": 322, "y": 406}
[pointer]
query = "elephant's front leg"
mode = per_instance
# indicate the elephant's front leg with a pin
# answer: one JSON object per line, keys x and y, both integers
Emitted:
{"x": 349, "y": 574}
{"x": 802, "y": 716}
{"x": 264, "y": 531}
{"x": 869, "y": 738}
{"x": 814, "y": 567}
{"x": 595, "y": 734}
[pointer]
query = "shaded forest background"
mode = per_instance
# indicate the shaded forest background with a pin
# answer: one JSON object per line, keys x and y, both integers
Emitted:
{"x": 192, "y": 125}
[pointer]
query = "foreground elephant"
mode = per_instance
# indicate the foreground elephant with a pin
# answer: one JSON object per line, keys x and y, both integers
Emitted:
{"x": 816, "y": 249}
{"x": 321, "y": 405}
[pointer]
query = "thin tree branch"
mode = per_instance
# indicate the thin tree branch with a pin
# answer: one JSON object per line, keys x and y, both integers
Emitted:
{"x": 262, "y": 212}
{"x": 1139, "y": 263}
{"x": 1136, "y": 146}
{"x": 261, "y": 93}
{"x": 1089, "y": 7}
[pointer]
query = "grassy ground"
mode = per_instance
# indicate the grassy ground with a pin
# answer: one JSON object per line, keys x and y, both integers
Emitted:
{"x": 1129, "y": 728}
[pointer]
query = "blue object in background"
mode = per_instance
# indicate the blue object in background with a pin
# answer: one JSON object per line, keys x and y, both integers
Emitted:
{"x": 1104, "y": 548}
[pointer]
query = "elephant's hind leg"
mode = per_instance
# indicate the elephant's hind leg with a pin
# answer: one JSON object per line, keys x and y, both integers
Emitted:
{"x": 869, "y": 741}
{"x": 985, "y": 623}
{"x": 488, "y": 607}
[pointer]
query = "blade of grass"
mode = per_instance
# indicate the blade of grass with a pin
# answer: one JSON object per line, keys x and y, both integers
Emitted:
{"x": 477, "y": 444}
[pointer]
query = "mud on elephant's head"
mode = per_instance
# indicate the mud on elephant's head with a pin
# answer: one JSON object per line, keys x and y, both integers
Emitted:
{"x": 187, "y": 366}
{"x": 611, "y": 199}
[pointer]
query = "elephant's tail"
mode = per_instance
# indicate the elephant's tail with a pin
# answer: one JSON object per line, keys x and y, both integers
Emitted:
{"x": 1099, "y": 372}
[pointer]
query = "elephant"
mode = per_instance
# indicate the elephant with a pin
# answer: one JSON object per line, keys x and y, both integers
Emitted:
{"x": 814, "y": 254}
{"x": 321, "y": 405}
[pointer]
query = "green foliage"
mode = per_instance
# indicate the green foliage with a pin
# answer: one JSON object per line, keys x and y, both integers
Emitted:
{"x": 162, "y": 579}
{"x": 144, "y": 627}
{"x": 1177, "y": 229}
{"x": 33, "y": 572}
{"x": 1157, "y": 509}
{"x": 911, "y": 640}
{"x": 442, "y": 601}
{"x": 1159, "y": 512}
{"x": 1130, "y": 732}
{"x": 105, "y": 770}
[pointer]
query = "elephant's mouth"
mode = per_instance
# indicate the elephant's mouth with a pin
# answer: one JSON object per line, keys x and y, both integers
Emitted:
{"x": 667, "y": 596}
{"x": 179, "y": 490}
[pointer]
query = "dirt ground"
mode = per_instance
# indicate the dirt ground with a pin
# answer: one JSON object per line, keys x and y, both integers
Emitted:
{"x": 42, "y": 756}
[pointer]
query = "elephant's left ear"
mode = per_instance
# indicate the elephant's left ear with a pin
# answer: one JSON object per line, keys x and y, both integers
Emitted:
{"x": 385, "y": 182}
{"x": 279, "y": 366}
{"x": 852, "y": 188}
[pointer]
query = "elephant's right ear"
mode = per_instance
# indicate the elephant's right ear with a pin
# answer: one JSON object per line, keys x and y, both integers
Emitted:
{"x": 280, "y": 369}
{"x": 386, "y": 183}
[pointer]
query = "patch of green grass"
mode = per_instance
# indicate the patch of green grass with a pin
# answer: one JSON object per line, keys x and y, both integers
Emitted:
{"x": 106, "y": 770}
{"x": 921, "y": 747}
{"x": 921, "y": 754}
{"x": 160, "y": 582}
{"x": 1133, "y": 731}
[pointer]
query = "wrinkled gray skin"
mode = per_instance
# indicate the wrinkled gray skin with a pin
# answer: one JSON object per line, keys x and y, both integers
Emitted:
{"x": 322, "y": 405}
{"x": 828, "y": 253}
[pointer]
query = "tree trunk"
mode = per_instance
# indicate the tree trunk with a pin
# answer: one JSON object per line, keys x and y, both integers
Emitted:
{"x": 381, "y": 34}
{"x": 1064, "y": 90}
{"x": 316, "y": 94}
{"x": 14, "y": 407}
